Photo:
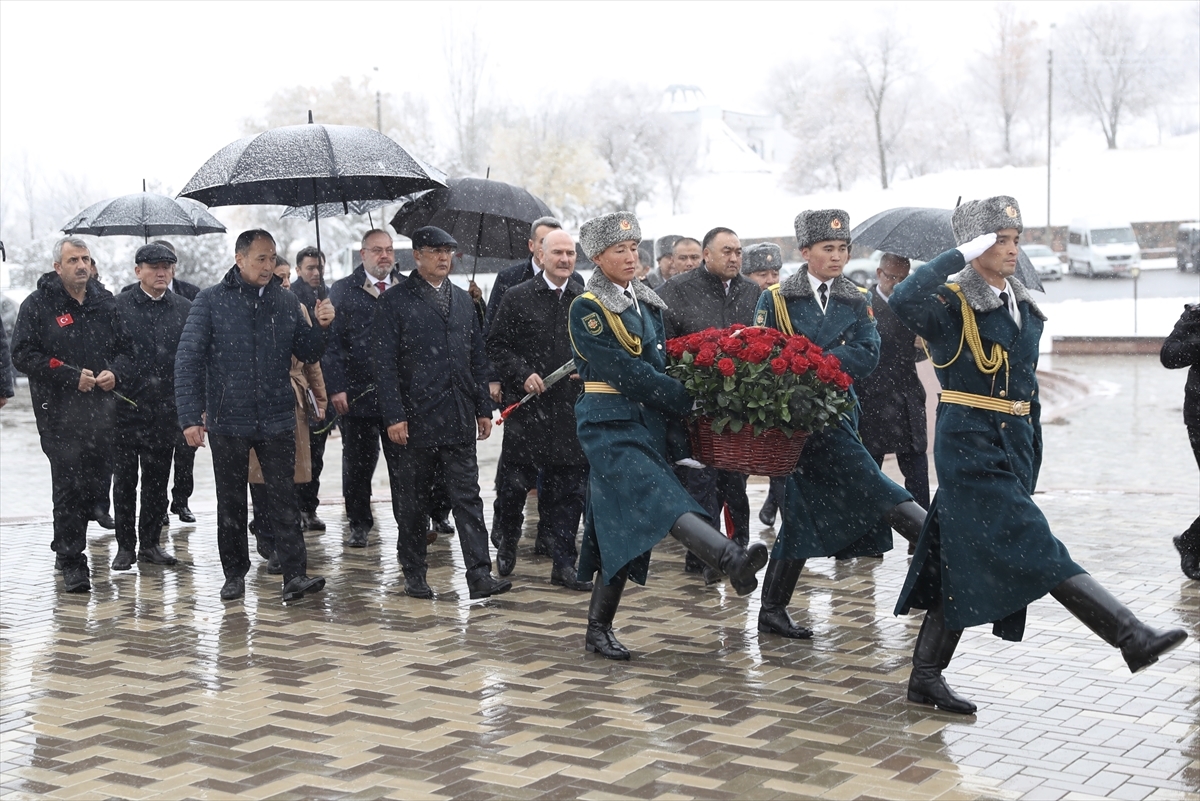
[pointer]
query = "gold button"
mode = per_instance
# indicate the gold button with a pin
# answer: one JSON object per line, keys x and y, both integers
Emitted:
{"x": 949, "y": 597}
{"x": 1002, "y": 393}
{"x": 1031, "y": 394}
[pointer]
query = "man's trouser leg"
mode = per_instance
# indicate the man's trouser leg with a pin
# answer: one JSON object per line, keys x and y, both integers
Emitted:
{"x": 914, "y": 466}
{"x": 731, "y": 491}
{"x": 560, "y": 504}
{"x": 156, "y": 473}
{"x": 98, "y": 456}
{"x": 360, "y": 455}
{"x": 460, "y": 474}
{"x": 307, "y": 494}
{"x": 513, "y": 482}
{"x": 70, "y": 492}
{"x": 264, "y": 532}
{"x": 185, "y": 461}
{"x": 231, "y": 473}
{"x": 127, "y": 449}
{"x": 277, "y": 458}
{"x": 411, "y": 482}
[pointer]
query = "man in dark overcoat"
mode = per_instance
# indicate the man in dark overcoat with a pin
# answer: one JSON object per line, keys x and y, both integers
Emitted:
{"x": 713, "y": 295}
{"x": 233, "y": 382}
{"x": 986, "y": 551}
{"x": 67, "y": 337}
{"x": 891, "y": 397}
{"x": 623, "y": 418}
{"x": 431, "y": 370}
{"x": 527, "y": 342}
{"x": 838, "y": 502}
{"x": 147, "y": 433}
{"x": 1182, "y": 349}
{"x": 310, "y": 270}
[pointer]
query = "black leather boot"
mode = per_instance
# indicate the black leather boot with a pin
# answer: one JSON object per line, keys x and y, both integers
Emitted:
{"x": 716, "y": 550}
{"x": 605, "y": 600}
{"x": 907, "y": 519}
{"x": 778, "y": 584}
{"x": 931, "y": 655}
{"x": 1141, "y": 645}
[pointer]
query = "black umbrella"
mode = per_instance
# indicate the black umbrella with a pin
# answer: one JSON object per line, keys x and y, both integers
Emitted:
{"x": 306, "y": 165}
{"x": 144, "y": 214}
{"x": 324, "y": 210}
{"x": 487, "y": 218}
{"x": 922, "y": 233}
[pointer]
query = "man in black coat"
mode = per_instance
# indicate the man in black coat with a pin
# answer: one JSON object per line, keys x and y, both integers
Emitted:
{"x": 520, "y": 271}
{"x": 1182, "y": 349}
{"x": 310, "y": 287}
{"x": 233, "y": 380}
{"x": 67, "y": 337}
{"x": 349, "y": 370}
{"x": 892, "y": 419}
{"x": 154, "y": 317}
{"x": 431, "y": 372}
{"x": 528, "y": 341}
{"x": 6, "y": 373}
{"x": 714, "y": 295}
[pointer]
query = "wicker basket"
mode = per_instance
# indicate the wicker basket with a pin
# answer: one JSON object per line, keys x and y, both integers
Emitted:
{"x": 770, "y": 453}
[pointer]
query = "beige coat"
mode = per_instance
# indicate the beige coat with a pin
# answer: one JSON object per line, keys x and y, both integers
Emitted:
{"x": 304, "y": 377}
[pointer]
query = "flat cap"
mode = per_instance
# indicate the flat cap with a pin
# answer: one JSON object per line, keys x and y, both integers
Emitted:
{"x": 978, "y": 217}
{"x": 821, "y": 225}
{"x": 665, "y": 245}
{"x": 761, "y": 257}
{"x": 600, "y": 233}
{"x": 430, "y": 236}
{"x": 154, "y": 253}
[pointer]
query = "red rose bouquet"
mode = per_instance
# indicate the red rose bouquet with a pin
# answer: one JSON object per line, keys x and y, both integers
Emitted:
{"x": 761, "y": 378}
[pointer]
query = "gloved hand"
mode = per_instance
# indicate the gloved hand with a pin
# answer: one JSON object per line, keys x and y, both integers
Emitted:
{"x": 976, "y": 247}
{"x": 692, "y": 463}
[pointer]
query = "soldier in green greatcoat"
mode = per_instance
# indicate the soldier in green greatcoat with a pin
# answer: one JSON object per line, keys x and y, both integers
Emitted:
{"x": 837, "y": 502}
{"x": 986, "y": 551}
{"x": 629, "y": 405}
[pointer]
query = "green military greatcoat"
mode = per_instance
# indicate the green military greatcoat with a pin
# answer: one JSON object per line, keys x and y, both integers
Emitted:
{"x": 623, "y": 418}
{"x": 986, "y": 551}
{"x": 836, "y": 497}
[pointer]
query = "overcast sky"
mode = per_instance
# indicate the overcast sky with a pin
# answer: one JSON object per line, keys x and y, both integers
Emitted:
{"x": 122, "y": 91}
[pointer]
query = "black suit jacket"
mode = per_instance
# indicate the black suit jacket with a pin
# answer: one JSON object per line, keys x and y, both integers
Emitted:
{"x": 892, "y": 397}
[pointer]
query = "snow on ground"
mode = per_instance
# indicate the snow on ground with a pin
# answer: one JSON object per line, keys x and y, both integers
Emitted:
{"x": 1159, "y": 183}
{"x": 1110, "y": 318}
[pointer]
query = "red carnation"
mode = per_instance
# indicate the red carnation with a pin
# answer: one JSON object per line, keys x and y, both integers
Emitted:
{"x": 726, "y": 366}
{"x": 55, "y": 363}
{"x": 779, "y": 365}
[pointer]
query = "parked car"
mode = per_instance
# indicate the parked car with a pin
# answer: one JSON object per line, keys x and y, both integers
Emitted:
{"x": 862, "y": 270}
{"x": 1045, "y": 261}
{"x": 1095, "y": 248}
{"x": 1187, "y": 247}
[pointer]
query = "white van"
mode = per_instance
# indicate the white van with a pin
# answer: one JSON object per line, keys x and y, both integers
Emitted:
{"x": 1096, "y": 248}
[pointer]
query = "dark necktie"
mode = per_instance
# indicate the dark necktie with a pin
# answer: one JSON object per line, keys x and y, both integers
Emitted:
{"x": 629, "y": 295}
{"x": 824, "y": 296}
{"x": 1004, "y": 302}
{"x": 381, "y": 286}
{"x": 558, "y": 292}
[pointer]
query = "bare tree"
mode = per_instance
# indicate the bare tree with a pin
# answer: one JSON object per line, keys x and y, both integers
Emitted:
{"x": 626, "y": 138}
{"x": 466, "y": 58}
{"x": 1006, "y": 69}
{"x": 880, "y": 63}
{"x": 675, "y": 151}
{"x": 1112, "y": 70}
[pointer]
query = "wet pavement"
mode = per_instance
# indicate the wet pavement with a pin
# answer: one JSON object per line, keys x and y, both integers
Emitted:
{"x": 151, "y": 687}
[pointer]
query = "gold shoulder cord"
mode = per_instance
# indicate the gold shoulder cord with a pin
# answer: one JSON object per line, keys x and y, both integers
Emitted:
{"x": 783, "y": 320}
{"x": 987, "y": 364}
{"x": 632, "y": 344}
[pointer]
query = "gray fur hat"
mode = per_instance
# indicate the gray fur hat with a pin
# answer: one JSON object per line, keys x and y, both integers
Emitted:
{"x": 600, "y": 233}
{"x": 665, "y": 245}
{"x": 979, "y": 217}
{"x": 821, "y": 225}
{"x": 761, "y": 257}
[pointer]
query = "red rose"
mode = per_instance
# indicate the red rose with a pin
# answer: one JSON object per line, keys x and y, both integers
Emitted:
{"x": 843, "y": 381}
{"x": 800, "y": 365}
{"x": 706, "y": 357}
{"x": 833, "y": 361}
{"x": 732, "y": 345}
{"x": 726, "y": 366}
{"x": 710, "y": 335}
{"x": 736, "y": 327}
{"x": 757, "y": 353}
{"x": 675, "y": 348}
{"x": 825, "y": 373}
{"x": 779, "y": 365}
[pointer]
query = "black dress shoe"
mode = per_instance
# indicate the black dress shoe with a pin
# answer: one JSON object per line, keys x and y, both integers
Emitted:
{"x": 294, "y": 590}
{"x": 58, "y": 563}
{"x": 155, "y": 555}
{"x": 311, "y": 522}
{"x": 358, "y": 536}
{"x": 541, "y": 548}
{"x": 416, "y": 587}
{"x": 104, "y": 520}
{"x": 273, "y": 566}
{"x": 181, "y": 510}
{"x": 1189, "y": 560}
{"x": 123, "y": 560}
{"x": 506, "y": 560}
{"x": 166, "y": 521}
{"x": 766, "y": 519}
{"x": 567, "y": 577}
{"x": 487, "y": 585}
{"x": 601, "y": 640}
{"x": 441, "y": 526}
{"x": 711, "y": 576}
{"x": 77, "y": 578}
{"x": 234, "y": 588}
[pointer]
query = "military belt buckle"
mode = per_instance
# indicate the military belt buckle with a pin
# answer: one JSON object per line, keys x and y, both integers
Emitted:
{"x": 1020, "y": 408}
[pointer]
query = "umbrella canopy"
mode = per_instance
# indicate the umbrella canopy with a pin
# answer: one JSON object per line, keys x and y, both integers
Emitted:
{"x": 336, "y": 209}
{"x": 144, "y": 214}
{"x": 303, "y": 165}
{"x": 487, "y": 218}
{"x": 922, "y": 233}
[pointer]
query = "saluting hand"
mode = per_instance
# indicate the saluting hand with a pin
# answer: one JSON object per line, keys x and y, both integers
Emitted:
{"x": 535, "y": 384}
{"x": 485, "y": 427}
{"x": 976, "y": 247}
{"x": 325, "y": 312}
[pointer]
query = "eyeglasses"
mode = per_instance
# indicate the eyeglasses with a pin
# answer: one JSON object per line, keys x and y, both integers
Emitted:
{"x": 891, "y": 277}
{"x": 380, "y": 251}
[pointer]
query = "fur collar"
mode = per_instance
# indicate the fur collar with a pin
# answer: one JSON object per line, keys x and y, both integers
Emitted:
{"x": 612, "y": 297}
{"x": 980, "y": 296}
{"x": 798, "y": 286}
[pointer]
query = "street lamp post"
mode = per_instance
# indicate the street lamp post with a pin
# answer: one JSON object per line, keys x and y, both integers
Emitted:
{"x": 1049, "y": 123}
{"x": 378, "y": 103}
